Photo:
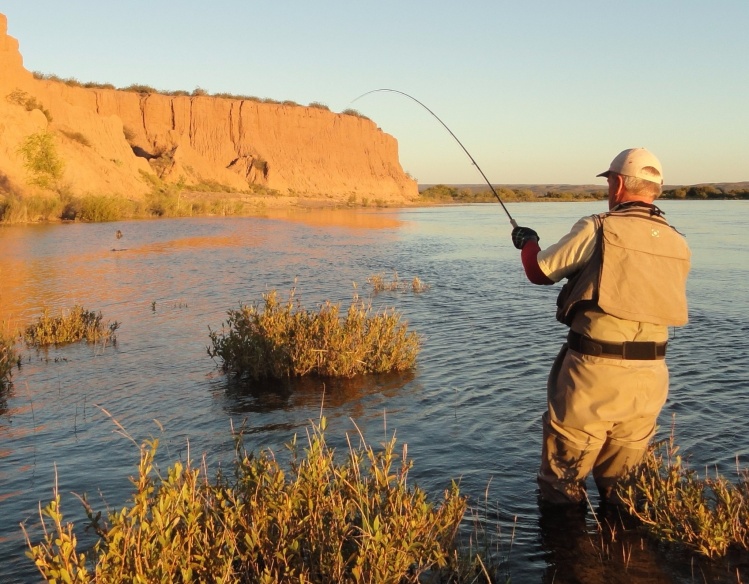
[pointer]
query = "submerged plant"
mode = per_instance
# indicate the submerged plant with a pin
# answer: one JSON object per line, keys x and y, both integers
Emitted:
{"x": 285, "y": 340}
{"x": 705, "y": 515}
{"x": 319, "y": 521}
{"x": 76, "y": 325}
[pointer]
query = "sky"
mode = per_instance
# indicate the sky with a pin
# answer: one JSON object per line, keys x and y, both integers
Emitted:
{"x": 538, "y": 91}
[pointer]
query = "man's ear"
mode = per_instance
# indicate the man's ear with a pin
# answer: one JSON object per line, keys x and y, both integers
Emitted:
{"x": 619, "y": 184}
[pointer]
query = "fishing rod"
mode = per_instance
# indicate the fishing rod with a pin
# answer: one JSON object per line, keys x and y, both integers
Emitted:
{"x": 512, "y": 221}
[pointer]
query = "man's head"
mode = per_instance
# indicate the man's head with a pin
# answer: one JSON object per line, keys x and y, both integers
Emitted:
{"x": 634, "y": 175}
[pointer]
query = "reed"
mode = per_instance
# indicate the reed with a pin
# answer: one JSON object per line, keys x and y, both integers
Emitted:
{"x": 74, "y": 325}
{"x": 8, "y": 359}
{"x": 312, "y": 520}
{"x": 380, "y": 284}
{"x": 709, "y": 515}
{"x": 285, "y": 340}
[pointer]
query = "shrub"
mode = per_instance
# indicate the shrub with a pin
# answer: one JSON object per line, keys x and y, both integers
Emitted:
{"x": 75, "y": 325}
{"x": 318, "y": 105}
{"x": 321, "y": 521}
{"x": 41, "y": 159}
{"x": 139, "y": 88}
{"x": 99, "y": 208}
{"x": 284, "y": 340}
{"x": 708, "y": 516}
{"x": 14, "y": 209}
{"x": 77, "y": 137}
{"x": 355, "y": 113}
{"x": 29, "y": 102}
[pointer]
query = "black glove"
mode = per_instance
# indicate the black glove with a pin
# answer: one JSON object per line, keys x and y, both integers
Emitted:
{"x": 522, "y": 235}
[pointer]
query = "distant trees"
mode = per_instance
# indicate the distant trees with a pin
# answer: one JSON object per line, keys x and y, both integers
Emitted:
{"x": 479, "y": 194}
{"x": 451, "y": 194}
{"x": 705, "y": 192}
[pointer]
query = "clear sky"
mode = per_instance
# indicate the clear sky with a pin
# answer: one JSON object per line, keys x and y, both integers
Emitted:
{"x": 537, "y": 91}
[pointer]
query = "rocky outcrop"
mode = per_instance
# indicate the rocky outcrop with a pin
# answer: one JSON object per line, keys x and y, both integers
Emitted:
{"x": 111, "y": 141}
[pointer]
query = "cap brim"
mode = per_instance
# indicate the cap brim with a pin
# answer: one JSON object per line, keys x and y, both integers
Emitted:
{"x": 606, "y": 173}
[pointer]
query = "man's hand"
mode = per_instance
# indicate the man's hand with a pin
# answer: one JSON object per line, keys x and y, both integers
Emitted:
{"x": 522, "y": 235}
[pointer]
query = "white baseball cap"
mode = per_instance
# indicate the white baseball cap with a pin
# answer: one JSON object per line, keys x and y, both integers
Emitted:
{"x": 637, "y": 162}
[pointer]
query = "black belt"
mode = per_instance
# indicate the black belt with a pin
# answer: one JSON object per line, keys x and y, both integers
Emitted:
{"x": 642, "y": 351}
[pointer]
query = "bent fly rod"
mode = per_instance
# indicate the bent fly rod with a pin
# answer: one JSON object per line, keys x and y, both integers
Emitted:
{"x": 512, "y": 221}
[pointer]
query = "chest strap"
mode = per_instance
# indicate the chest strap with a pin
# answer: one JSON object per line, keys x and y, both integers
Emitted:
{"x": 631, "y": 350}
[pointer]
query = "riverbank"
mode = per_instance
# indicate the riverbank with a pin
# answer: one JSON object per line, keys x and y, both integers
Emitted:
{"x": 169, "y": 201}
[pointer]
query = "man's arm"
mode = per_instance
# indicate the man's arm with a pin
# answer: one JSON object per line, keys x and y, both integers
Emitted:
{"x": 529, "y": 257}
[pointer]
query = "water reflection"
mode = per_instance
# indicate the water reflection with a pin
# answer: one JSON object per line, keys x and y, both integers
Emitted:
{"x": 337, "y": 218}
{"x": 353, "y": 397}
{"x": 599, "y": 547}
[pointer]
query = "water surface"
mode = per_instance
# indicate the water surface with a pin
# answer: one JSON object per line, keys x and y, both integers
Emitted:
{"x": 470, "y": 410}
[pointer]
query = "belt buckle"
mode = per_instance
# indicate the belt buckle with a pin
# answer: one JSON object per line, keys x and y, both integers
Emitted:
{"x": 639, "y": 350}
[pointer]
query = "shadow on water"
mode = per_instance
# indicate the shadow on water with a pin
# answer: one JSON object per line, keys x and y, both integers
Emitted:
{"x": 333, "y": 397}
{"x": 605, "y": 546}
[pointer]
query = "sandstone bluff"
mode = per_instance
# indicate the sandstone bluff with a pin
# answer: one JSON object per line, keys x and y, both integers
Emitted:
{"x": 114, "y": 142}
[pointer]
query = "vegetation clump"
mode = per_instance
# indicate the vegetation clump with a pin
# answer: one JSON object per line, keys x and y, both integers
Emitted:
{"x": 72, "y": 326}
{"x": 28, "y": 102}
{"x": 380, "y": 284}
{"x": 77, "y": 137}
{"x": 8, "y": 359}
{"x": 709, "y": 516}
{"x": 319, "y": 521}
{"x": 285, "y": 340}
{"x": 41, "y": 159}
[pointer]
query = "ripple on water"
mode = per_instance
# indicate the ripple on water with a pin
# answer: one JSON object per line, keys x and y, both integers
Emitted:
{"x": 470, "y": 410}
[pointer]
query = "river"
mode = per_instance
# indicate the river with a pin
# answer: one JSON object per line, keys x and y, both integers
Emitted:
{"x": 470, "y": 410}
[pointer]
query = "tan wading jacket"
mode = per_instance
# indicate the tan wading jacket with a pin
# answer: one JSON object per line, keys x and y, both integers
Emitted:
{"x": 637, "y": 273}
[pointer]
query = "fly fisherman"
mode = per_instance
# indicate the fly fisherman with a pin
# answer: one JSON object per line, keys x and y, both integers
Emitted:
{"x": 626, "y": 271}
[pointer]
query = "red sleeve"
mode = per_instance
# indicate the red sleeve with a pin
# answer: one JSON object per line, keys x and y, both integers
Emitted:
{"x": 528, "y": 255}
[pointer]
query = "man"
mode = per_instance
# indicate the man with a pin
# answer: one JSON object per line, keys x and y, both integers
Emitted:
{"x": 626, "y": 271}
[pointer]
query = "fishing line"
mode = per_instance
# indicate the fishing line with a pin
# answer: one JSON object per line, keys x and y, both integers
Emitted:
{"x": 512, "y": 221}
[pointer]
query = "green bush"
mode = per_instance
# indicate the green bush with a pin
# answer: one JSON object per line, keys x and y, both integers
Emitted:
{"x": 284, "y": 340}
{"x": 320, "y": 521}
{"x": 72, "y": 326}
{"x": 41, "y": 160}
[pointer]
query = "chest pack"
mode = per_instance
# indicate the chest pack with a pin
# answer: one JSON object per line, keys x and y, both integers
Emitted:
{"x": 637, "y": 272}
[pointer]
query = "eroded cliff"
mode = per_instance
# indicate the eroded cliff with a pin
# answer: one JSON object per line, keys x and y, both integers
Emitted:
{"x": 111, "y": 141}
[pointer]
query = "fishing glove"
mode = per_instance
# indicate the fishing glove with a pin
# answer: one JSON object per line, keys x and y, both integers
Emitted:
{"x": 522, "y": 235}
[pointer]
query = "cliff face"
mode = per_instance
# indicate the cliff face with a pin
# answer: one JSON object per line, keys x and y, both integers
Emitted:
{"x": 106, "y": 138}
